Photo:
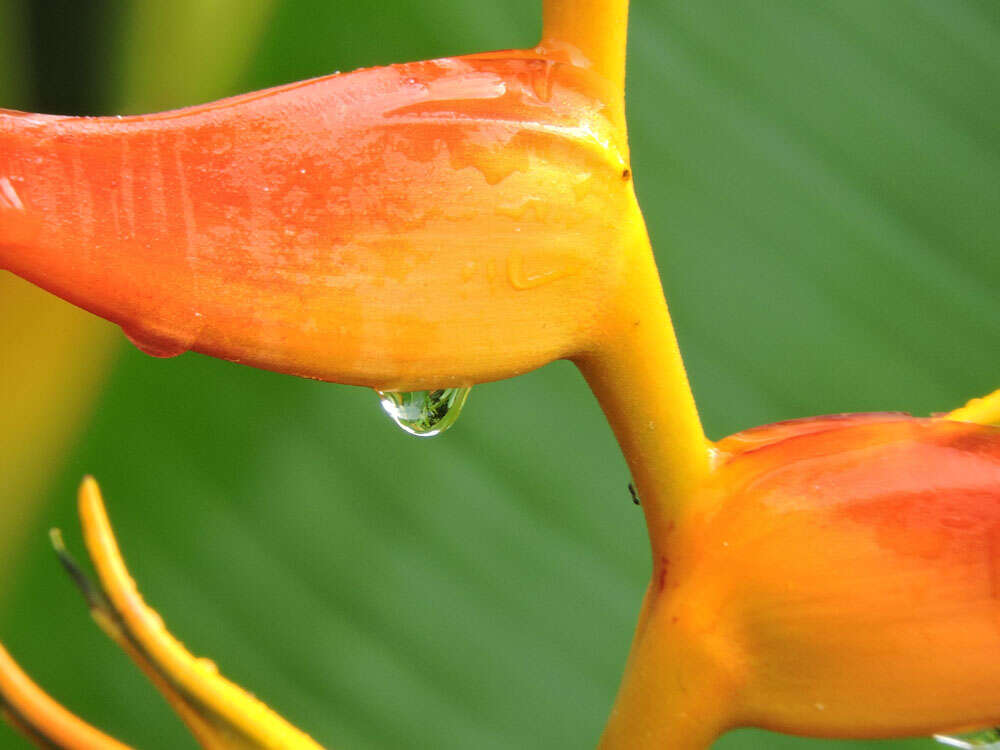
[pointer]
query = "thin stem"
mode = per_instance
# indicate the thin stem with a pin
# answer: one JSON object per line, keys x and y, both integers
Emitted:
{"x": 40, "y": 718}
{"x": 639, "y": 379}
{"x": 598, "y": 28}
{"x": 218, "y": 712}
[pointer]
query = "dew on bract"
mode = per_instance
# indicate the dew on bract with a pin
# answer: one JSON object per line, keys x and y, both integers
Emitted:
{"x": 424, "y": 413}
{"x": 163, "y": 346}
{"x": 208, "y": 665}
{"x": 988, "y": 739}
{"x": 155, "y": 346}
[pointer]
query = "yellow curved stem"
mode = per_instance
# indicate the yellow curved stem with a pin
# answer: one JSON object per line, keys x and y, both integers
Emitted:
{"x": 985, "y": 410}
{"x": 673, "y": 694}
{"x": 598, "y": 28}
{"x": 40, "y": 718}
{"x": 638, "y": 376}
{"x": 220, "y": 714}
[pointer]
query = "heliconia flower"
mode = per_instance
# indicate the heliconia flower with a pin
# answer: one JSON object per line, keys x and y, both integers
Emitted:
{"x": 437, "y": 224}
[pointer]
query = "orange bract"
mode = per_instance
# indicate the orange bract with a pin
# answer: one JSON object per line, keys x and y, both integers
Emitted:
{"x": 834, "y": 577}
{"x": 868, "y": 576}
{"x": 421, "y": 225}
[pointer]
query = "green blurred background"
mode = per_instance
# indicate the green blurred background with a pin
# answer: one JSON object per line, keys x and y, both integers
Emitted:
{"x": 822, "y": 184}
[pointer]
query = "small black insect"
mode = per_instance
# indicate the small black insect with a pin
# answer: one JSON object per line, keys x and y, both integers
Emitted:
{"x": 633, "y": 493}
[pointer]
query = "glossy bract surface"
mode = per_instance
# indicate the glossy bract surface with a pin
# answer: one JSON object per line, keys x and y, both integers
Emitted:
{"x": 839, "y": 544}
{"x": 346, "y": 228}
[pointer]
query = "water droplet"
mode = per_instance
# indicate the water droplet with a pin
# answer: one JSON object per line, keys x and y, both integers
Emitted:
{"x": 154, "y": 621}
{"x": 988, "y": 739}
{"x": 424, "y": 413}
{"x": 159, "y": 343}
{"x": 156, "y": 346}
{"x": 8, "y": 195}
{"x": 541, "y": 80}
{"x": 208, "y": 665}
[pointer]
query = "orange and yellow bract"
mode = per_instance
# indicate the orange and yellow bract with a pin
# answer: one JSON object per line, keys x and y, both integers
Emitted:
{"x": 448, "y": 222}
{"x": 836, "y": 576}
{"x": 357, "y": 222}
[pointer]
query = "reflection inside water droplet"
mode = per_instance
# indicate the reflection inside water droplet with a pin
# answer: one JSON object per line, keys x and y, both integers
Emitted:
{"x": 424, "y": 413}
{"x": 988, "y": 739}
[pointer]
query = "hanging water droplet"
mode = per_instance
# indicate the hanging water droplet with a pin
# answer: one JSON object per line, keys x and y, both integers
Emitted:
{"x": 162, "y": 345}
{"x": 988, "y": 739}
{"x": 424, "y": 413}
{"x": 156, "y": 346}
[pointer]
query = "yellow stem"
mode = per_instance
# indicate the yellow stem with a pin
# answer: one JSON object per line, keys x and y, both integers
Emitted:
{"x": 678, "y": 688}
{"x": 598, "y": 28}
{"x": 985, "y": 410}
{"x": 639, "y": 379}
{"x": 225, "y": 717}
{"x": 40, "y": 718}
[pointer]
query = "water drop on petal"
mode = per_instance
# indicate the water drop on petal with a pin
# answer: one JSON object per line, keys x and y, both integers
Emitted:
{"x": 156, "y": 346}
{"x": 9, "y": 199}
{"x": 162, "y": 344}
{"x": 988, "y": 739}
{"x": 424, "y": 413}
{"x": 208, "y": 665}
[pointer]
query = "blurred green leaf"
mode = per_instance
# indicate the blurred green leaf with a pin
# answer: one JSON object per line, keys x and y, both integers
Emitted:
{"x": 13, "y": 68}
{"x": 183, "y": 52}
{"x": 820, "y": 183}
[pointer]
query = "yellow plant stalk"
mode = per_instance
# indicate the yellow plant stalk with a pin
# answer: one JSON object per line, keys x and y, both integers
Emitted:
{"x": 221, "y": 715}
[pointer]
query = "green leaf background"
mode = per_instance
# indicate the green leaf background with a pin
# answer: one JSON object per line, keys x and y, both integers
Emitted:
{"x": 822, "y": 185}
